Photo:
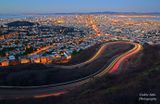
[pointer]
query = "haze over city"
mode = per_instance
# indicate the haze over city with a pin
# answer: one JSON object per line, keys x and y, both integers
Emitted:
{"x": 66, "y": 6}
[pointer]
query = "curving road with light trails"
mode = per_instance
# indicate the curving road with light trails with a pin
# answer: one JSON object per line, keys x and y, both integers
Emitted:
{"x": 96, "y": 56}
{"x": 12, "y": 92}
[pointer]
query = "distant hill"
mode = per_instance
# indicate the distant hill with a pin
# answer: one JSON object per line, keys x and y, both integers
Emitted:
{"x": 20, "y": 23}
{"x": 129, "y": 13}
{"x": 103, "y": 12}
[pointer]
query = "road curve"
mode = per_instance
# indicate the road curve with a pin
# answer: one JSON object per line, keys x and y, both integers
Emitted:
{"x": 18, "y": 92}
{"x": 93, "y": 58}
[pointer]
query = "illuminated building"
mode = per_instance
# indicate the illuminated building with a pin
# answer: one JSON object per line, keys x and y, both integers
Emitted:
{"x": 37, "y": 60}
{"x": 4, "y": 63}
{"x": 43, "y": 60}
{"x": 24, "y": 61}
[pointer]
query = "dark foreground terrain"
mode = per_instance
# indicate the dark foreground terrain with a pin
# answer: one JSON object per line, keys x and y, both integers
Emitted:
{"x": 139, "y": 75}
{"x": 39, "y": 74}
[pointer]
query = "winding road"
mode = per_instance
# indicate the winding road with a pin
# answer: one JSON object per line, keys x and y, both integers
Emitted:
{"x": 19, "y": 92}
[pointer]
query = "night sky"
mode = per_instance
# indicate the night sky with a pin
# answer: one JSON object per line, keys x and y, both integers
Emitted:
{"x": 65, "y": 6}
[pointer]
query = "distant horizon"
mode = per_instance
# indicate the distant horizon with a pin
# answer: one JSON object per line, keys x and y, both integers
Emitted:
{"x": 77, "y": 6}
{"x": 92, "y": 12}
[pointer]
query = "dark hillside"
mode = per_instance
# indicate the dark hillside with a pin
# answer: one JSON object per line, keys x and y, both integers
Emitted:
{"x": 140, "y": 76}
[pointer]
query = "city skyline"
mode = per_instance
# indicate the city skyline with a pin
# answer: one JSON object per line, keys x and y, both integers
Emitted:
{"x": 64, "y": 6}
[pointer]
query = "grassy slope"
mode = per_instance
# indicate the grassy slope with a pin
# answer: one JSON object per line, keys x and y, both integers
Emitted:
{"x": 114, "y": 89}
{"x": 124, "y": 88}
